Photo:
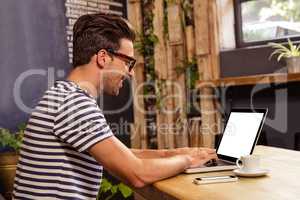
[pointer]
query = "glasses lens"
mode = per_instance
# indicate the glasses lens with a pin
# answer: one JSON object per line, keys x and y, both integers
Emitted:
{"x": 129, "y": 62}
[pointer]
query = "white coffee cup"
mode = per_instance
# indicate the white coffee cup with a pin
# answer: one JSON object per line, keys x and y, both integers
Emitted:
{"x": 249, "y": 163}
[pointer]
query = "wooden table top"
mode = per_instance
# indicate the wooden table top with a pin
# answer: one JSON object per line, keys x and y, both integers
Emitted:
{"x": 283, "y": 181}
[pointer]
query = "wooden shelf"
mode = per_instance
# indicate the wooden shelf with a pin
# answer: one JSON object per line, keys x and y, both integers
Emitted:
{"x": 251, "y": 80}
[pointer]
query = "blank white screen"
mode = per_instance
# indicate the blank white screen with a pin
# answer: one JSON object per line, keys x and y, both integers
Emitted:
{"x": 239, "y": 134}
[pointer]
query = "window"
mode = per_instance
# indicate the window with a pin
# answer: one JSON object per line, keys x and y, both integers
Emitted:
{"x": 261, "y": 21}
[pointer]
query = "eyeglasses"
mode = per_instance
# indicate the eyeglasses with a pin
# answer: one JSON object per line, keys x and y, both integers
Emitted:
{"x": 130, "y": 62}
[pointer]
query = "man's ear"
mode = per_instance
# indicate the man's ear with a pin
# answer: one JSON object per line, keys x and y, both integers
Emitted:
{"x": 101, "y": 58}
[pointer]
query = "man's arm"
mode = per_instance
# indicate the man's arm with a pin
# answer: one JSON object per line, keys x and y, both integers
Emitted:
{"x": 164, "y": 153}
{"x": 120, "y": 161}
{"x": 151, "y": 153}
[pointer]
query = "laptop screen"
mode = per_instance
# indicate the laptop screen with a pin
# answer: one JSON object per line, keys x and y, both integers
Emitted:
{"x": 240, "y": 134}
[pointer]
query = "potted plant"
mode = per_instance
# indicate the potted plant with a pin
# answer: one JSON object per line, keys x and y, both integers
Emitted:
{"x": 109, "y": 190}
{"x": 291, "y": 53}
{"x": 9, "y": 148}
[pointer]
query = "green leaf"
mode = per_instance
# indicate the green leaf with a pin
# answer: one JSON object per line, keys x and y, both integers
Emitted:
{"x": 105, "y": 186}
{"x": 12, "y": 140}
{"x": 153, "y": 38}
{"x": 279, "y": 46}
{"x": 125, "y": 190}
{"x": 22, "y": 127}
{"x": 285, "y": 52}
{"x": 109, "y": 197}
{"x": 114, "y": 189}
{"x": 290, "y": 44}
{"x": 280, "y": 56}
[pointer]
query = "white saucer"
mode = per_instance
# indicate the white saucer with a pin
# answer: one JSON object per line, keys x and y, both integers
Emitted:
{"x": 254, "y": 173}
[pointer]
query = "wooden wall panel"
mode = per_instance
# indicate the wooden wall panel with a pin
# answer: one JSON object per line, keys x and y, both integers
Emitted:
{"x": 207, "y": 54}
{"x": 202, "y": 31}
{"x": 161, "y": 63}
{"x": 138, "y": 129}
{"x": 178, "y": 56}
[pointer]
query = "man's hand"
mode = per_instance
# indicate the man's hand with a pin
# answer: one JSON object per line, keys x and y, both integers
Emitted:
{"x": 194, "y": 150}
{"x": 198, "y": 156}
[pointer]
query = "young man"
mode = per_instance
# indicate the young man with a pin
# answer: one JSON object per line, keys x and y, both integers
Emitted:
{"x": 67, "y": 139}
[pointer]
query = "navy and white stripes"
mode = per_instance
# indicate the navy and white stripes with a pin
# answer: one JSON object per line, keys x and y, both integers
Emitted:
{"x": 54, "y": 162}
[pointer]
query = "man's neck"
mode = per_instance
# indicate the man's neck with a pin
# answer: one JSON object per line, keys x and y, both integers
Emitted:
{"x": 86, "y": 80}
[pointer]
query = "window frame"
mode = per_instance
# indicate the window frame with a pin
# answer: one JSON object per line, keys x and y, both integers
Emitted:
{"x": 240, "y": 43}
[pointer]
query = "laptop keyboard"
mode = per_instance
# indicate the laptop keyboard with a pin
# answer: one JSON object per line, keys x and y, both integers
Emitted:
{"x": 213, "y": 163}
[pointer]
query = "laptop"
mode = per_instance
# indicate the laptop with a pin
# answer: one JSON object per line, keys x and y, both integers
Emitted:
{"x": 239, "y": 138}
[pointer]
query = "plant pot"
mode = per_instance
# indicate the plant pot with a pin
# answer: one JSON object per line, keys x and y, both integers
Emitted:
{"x": 293, "y": 64}
{"x": 8, "y": 166}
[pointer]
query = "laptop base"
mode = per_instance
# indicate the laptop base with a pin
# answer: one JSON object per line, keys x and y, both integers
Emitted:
{"x": 209, "y": 169}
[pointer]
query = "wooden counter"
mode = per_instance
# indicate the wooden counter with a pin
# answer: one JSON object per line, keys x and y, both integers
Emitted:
{"x": 282, "y": 183}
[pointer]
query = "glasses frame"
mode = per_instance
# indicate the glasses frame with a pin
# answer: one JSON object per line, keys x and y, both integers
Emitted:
{"x": 130, "y": 60}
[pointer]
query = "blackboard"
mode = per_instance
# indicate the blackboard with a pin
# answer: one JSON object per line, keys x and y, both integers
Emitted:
{"x": 33, "y": 47}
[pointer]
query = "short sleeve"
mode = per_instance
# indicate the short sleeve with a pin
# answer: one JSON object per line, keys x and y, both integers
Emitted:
{"x": 80, "y": 122}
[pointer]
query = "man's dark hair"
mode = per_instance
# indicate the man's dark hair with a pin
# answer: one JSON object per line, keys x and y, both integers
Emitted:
{"x": 93, "y": 32}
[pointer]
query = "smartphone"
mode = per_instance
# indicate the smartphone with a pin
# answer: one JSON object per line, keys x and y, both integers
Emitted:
{"x": 214, "y": 179}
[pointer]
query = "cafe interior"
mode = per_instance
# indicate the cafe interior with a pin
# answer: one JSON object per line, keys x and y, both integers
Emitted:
{"x": 221, "y": 74}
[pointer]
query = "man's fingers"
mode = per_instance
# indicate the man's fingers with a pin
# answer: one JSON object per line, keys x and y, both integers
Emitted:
{"x": 208, "y": 150}
{"x": 207, "y": 155}
{"x": 211, "y": 151}
{"x": 210, "y": 157}
{"x": 214, "y": 156}
{"x": 202, "y": 158}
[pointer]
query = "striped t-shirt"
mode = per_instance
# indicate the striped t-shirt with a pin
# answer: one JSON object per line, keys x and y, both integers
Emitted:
{"x": 54, "y": 162}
